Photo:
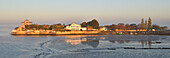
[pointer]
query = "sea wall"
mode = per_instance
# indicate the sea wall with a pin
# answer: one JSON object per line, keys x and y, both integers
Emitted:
{"x": 52, "y": 32}
{"x": 78, "y": 32}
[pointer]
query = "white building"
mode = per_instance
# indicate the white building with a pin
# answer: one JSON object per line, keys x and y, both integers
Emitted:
{"x": 75, "y": 26}
{"x": 103, "y": 29}
{"x": 26, "y": 22}
{"x": 83, "y": 28}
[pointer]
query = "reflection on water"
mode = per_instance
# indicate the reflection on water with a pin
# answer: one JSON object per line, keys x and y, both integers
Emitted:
{"x": 93, "y": 41}
{"x": 73, "y": 45}
{"x": 75, "y": 42}
{"x": 146, "y": 43}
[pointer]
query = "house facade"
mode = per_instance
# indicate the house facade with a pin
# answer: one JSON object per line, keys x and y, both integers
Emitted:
{"x": 103, "y": 29}
{"x": 73, "y": 26}
{"x": 83, "y": 28}
{"x": 26, "y": 22}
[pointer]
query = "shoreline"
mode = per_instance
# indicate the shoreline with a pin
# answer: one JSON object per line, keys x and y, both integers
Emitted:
{"x": 90, "y": 33}
{"x": 77, "y": 34}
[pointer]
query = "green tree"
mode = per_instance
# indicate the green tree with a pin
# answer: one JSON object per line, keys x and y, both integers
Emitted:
{"x": 94, "y": 23}
{"x": 149, "y": 24}
{"x": 112, "y": 27}
{"x": 164, "y": 28}
{"x": 127, "y": 26}
{"x": 133, "y": 26}
{"x": 84, "y": 24}
{"x": 154, "y": 26}
{"x": 142, "y": 23}
{"x": 146, "y": 24}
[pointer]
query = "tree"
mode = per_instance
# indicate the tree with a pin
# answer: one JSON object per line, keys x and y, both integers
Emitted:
{"x": 133, "y": 26}
{"x": 56, "y": 27}
{"x": 164, "y": 28}
{"x": 127, "y": 26}
{"x": 149, "y": 23}
{"x": 142, "y": 23}
{"x": 94, "y": 23}
{"x": 84, "y": 24}
{"x": 121, "y": 25}
{"x": 146, "y": 24}
{"x": 112, "y": 27}
{"x": 156, "y": 27}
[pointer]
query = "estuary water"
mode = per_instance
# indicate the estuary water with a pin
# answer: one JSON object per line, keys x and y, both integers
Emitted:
{"x": 83, "y": 46}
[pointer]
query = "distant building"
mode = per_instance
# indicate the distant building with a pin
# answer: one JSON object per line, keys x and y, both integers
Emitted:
{"x": 83, "y": 28}
{"x": 73, "y": 26}
{"x": 124, "y": 30}
{"x": 121, "y": 24}
{"x": 26, "y": 22}
{"x": 103, "y": 28}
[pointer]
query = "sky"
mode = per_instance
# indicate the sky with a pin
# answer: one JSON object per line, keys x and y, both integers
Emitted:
{"x": 77, "y": 11}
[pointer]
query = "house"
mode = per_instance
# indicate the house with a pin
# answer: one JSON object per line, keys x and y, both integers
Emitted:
{"x": 26, "y": 22}
{"x": 73, "y": 26}
{"x": 103, "y": 28}
{"x": 83, "y": 28}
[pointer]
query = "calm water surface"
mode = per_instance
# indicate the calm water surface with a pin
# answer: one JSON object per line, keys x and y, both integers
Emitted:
{"x": 82, "y": 46}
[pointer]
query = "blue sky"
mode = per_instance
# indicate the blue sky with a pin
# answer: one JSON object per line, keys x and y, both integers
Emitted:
{"x": 77, "y": 11}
